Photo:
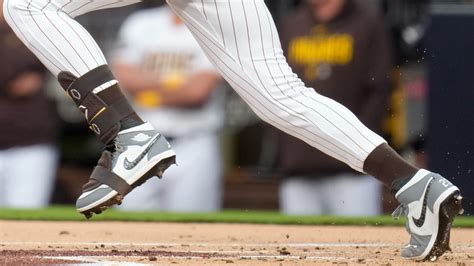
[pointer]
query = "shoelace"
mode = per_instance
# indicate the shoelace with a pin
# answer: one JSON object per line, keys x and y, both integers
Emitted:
{"x": 118, "y": 146}
{"x": 399, "y": 211}
{"x": 114, "y": 147}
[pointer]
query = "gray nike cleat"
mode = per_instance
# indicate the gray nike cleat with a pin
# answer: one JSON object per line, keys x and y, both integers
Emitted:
{"x": 430, "y": 203}
{"x": 139, "y": 154}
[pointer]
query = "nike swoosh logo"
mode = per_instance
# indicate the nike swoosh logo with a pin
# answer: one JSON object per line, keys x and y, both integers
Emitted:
{"x": 129, "y": 165}
{"x": 421, "y": 220}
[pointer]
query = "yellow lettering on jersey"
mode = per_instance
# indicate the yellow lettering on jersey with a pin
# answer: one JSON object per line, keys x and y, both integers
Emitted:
{"x": 320, "y": 48}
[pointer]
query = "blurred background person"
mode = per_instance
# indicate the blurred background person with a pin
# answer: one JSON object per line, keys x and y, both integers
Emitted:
{"x": 342, "y": 50}
{"x": 176, "y": 89}
{"x": 28, "y": 157}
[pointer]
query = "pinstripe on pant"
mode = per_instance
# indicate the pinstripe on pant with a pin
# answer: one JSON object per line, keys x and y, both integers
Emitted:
{"x": 239, "y": 37}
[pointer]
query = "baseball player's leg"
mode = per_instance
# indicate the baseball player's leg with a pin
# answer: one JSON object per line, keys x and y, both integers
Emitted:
{"x": 49, "y": 30}
{"x": 241, "y": 39}
{"x": 47, "y": 27}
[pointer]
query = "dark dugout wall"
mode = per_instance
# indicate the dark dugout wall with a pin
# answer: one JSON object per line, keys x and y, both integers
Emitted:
{"x": 451, "y": 96}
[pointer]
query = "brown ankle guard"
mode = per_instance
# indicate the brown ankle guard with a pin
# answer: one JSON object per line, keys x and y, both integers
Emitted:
{"x": 103, "y": 119}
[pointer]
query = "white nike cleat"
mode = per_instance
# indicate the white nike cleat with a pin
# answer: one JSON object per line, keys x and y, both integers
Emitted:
{"x": 430, "y": 203}
{"x": 139, "y": 153}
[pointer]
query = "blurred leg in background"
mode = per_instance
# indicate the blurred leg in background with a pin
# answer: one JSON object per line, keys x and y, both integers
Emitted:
{"x": 340, "y": 195}
{"x": 28, "y": 157}
{"x": 174, "y": 87}
{"x": 194, "y": 186}
{"x": 27, "y": 176}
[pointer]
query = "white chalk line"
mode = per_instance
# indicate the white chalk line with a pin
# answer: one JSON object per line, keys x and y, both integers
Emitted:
{"x": 106, "y": 259}
{"x": 312, "y": 255}
{"x": 203, "y": 244}
{"x": 94, "y": 260}
{"x": 206, "y": 244}
{"x": 221, "y": 254}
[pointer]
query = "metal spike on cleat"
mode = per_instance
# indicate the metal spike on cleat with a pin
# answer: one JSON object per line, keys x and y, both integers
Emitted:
{"x": 106, "y": 205}
{"x": 160, "y": 169}
{"x": 119, "y": 199}
{"x": 458, "y": 201}
{"x": 159, "y": 174}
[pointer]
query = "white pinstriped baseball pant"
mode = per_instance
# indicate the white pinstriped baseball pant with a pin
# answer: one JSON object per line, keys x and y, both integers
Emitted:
{"x": 239, "y": 37}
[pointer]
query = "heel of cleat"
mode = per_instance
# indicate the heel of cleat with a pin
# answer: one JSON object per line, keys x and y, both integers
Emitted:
{"x": 458, "y": 202}
{"x": 451, "y": 207}
{"x": 161, "y": 168}
{"x": 117, "y": 200}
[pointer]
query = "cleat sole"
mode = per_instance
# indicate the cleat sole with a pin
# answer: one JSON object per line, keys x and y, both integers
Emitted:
{"x": 157, "y": 170}
{"x": 104, "y": 206}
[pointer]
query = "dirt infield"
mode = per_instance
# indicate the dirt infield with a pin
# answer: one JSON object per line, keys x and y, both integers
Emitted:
{"x": 116, "y": 243}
